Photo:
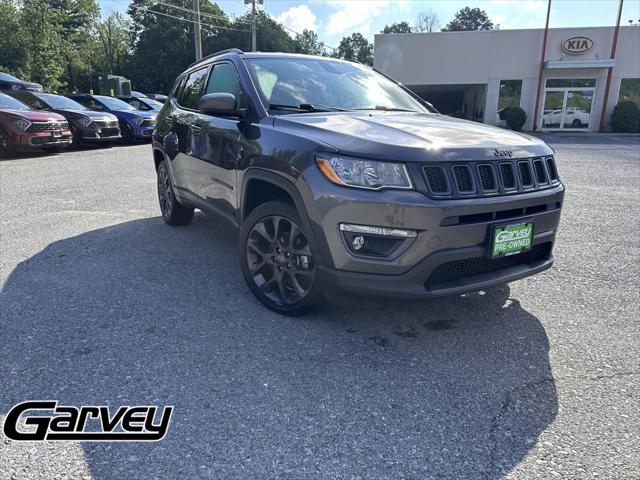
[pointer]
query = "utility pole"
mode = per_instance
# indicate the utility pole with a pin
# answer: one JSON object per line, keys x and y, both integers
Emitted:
{"x": 253, "y": 21}
{"x": 196, "y": 29}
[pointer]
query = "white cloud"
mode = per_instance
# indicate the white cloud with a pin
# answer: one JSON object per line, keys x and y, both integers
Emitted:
{"x": 298, "y": 18}
{"x": 356, "y": 16}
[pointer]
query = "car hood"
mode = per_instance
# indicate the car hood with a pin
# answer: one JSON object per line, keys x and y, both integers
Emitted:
{"x": 35, "y": 115}
{"x": 92, "y": 114}
{"x": 411, "y": 136}
{"x": 138, "y": 113}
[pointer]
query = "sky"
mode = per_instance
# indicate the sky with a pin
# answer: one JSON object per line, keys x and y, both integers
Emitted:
{"x": 334, "y": 19}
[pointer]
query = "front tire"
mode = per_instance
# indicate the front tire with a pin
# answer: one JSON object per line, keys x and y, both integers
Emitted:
{"x": 126, "y": 134}
{"x": 7, "y": 148}
{"x": 276, "y": 259}
{"x": 173, "y": 212}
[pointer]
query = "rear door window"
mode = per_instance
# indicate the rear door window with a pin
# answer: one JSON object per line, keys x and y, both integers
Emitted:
{"x": 193, "y": 88}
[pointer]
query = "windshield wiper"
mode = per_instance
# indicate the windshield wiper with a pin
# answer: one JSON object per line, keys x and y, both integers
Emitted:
{"x": 386, "y": 109}
{"x": 306, "y": 107}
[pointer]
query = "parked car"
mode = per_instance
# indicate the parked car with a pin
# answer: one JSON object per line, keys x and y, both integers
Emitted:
{"x": 86, "y": 125}
{"x": 138, "y": 94}
{"x": 573, "y": 117}
{"x": 144, "y": 104}
{"x": 9, "y": 82}
{"x": 134, "y": 124}
{"x": 22, "y": 128}
{"x": 158, "y": 97}
{"x": 340, "y": 178}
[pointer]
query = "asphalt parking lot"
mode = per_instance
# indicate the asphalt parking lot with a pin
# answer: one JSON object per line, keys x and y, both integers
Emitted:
{"x": 102, "y": 303}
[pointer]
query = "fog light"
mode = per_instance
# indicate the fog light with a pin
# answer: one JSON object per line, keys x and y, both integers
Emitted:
{"x": 382, "y": 231}
{"x": 357, "y": 242}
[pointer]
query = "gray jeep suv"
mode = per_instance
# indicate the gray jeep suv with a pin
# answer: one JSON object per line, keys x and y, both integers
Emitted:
{"x": 338, "y": 177}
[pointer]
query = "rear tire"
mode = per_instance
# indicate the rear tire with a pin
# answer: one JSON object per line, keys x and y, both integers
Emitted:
{"x": 7, "y": 148}
{"x": 173, "y": 212}
{"x": 276, "y": 260}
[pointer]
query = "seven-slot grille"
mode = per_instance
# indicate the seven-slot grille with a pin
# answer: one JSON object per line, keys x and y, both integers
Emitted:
{"x": 478, "y": 179}
{"x": 47, "y": 126}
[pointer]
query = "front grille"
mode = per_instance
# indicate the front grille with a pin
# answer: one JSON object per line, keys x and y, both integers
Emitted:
{"x": 47, "y": 126}
{"x": 110, "y": 132}
{"x": 478, "y": 179}
{"x": 463, "y": 178}
{"x": 437, "y": 180}
{"x": 461, "y": 269}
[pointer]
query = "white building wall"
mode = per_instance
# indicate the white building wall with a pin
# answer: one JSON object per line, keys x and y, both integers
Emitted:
{"x": 486, "y": 57}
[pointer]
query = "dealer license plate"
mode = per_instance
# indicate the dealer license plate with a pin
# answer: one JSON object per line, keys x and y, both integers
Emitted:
{"x": 511, "y": 239}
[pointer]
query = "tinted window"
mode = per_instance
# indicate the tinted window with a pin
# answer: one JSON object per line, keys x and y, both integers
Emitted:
{"x": 223, "y": 79}
{"x": 193, "y": 88}
{"x": 30, "y": 100}
{"x": 333, "y": 83}
{"x": 113, "y": 103}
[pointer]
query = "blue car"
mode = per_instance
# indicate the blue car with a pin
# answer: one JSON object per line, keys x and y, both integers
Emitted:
{"x": 134, "y": 124}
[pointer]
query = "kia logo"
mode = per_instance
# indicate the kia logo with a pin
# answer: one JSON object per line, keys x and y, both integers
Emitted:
{"x": 577, "y": 45}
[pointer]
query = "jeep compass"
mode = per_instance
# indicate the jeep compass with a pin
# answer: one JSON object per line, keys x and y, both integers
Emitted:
{"x": 340, "y": 178}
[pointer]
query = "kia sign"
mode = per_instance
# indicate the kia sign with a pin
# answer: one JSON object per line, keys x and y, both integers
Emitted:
{"x": 577, "y": 45}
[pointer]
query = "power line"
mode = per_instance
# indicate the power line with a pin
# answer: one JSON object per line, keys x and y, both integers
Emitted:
{"x": 189, "y": 10}
{"x": 145, "y": 9}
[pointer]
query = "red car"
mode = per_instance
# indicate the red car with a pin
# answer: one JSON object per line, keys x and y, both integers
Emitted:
{"x": 22, "y": 128}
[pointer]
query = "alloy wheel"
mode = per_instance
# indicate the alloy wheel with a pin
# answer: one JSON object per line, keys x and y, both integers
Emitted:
{"x": 165, "y": 194}
{"x": 279, "y": 260}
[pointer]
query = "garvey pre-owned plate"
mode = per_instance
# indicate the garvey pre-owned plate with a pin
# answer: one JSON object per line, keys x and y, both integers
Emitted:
{"x": 511, "y": 239}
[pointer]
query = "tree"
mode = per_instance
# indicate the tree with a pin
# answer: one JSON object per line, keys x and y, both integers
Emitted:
{"x": 270, "y": 35}
{"x": 308, "y": 43}
{"x": 427, "y": 22}
{"x": 13, "y": 41}
{"x": 154, "y": 64}
{"x": 113, "y": 43}
{"x": 356, "y": 48}
{"x": 41, "y": 26}
{"x": 398, "y": 27}
{"x": 469, "y": 19}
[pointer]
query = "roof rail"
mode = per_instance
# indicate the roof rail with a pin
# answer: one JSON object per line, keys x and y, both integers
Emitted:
{"x": 228, "y": 50}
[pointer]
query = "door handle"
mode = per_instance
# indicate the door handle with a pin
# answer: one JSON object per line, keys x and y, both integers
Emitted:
{"x": 197, "y": 130}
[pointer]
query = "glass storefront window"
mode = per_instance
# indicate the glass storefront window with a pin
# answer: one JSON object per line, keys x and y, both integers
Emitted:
{"x": 630, "y": 90}
{"x": 570, "y": 82}
{"x": 508, "y": 96}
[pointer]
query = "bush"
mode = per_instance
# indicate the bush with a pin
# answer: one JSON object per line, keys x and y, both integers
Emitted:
{"x": 625, "y": 117}
{"x": 515, "y": 118}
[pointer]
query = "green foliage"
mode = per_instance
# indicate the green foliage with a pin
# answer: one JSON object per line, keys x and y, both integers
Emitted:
{"x": 470, "y": 19}
{"x": 515, "y": 117}
{"x": 355, "y": 48}
{"x": 398, "y": 27}
{"x": 13, "y": 41}
{"x": 625, "y": 117}
{"x": 112, "y": 49}
{"x": 308, "y": 43}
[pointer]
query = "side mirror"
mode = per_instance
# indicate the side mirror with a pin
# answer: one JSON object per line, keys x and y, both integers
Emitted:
{"x": 220, "y": 104}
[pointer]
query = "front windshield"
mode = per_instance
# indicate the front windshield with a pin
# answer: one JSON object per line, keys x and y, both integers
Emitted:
{"x": 8, "y": 78}
{"x": 113, "y": 103}
{"x": 9, "y": 102}
{"x": 327, "y": 83}
{"x": 60, "y": 102}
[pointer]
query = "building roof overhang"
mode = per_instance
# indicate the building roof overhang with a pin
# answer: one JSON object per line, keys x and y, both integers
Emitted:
{"x": 590, "y": 63}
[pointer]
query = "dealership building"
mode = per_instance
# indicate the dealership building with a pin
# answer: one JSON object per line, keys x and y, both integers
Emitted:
{"x": 478, "y": 75}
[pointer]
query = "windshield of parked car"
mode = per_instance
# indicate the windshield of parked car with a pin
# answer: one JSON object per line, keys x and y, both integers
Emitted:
{"x": 153, "y": 104}
{"x": 322, "y": 84}
{"x": 58, "y": 101}
{"x": 9, "y": 102}
{"x": 113, "y": 103}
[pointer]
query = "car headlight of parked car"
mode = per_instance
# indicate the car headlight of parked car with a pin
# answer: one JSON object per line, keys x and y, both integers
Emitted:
{"x": 84, "y": 122}
{"x": 22, "y": 124}
{"x": 369, "y": 174}
{"x": 137, "y": 120}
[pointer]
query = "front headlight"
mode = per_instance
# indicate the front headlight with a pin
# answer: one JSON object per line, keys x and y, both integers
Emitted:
{"x": 137, "y": 120}
{"x": 22, "y": 124}
{"x": 370, "y": 174}
{"x": 84, "y": 122}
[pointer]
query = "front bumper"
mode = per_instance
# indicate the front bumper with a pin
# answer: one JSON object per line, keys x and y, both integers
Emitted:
{"x": 111, "y": 134}
{"x": 37, "y": 140}
{"x": 143, "y": 132}
{"x": 452, "y": 236}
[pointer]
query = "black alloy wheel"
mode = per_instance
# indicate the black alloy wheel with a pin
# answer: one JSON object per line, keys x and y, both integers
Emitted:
{"x": 173, "y": 212}
{"x": 277, "y": 262}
